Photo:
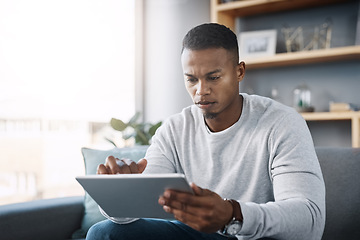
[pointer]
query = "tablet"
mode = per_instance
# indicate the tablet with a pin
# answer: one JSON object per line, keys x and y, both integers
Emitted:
{"x": 133, "y": 195}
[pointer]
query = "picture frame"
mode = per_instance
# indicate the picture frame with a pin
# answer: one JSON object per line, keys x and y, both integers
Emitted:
{"x": 257, "y": 43}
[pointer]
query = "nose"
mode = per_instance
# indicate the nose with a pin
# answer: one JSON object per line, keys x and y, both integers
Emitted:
{"x": 203, "y": 88}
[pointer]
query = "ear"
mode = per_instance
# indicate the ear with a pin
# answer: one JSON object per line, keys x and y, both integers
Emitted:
{"x": 240, "y": 71}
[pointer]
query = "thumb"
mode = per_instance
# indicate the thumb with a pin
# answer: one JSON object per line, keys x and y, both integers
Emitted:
{"x": 142, "y": 165}
{"x": 198, "y": 190}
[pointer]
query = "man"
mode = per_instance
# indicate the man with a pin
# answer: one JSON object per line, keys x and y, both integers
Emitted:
{"x": 250, "y": 149}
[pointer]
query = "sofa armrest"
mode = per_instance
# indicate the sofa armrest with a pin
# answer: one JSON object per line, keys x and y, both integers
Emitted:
{"x": 54, "y": 218}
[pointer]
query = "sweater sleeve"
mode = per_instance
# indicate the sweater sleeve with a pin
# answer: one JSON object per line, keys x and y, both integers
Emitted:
{"x": 118, "y": 220}
{"x": 162, "y": 153}
{"x": 298, "y": 211}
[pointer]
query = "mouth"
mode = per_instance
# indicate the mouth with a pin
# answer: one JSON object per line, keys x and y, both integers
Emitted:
{"x": 204, "y": 104}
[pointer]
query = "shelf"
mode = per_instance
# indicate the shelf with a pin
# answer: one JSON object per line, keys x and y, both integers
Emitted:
{"x": 226, "y": 13}
{"x": 330, "y": 116}
{"x": 354, "y": 117}
{"x": 305, "y": 57}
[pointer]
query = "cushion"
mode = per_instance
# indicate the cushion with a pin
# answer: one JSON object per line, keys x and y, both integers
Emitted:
{"x": 341, "y": 168}
{"x": 92, "y": 158}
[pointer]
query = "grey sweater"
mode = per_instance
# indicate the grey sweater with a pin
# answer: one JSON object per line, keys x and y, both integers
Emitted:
{"x": 266, "y": 161}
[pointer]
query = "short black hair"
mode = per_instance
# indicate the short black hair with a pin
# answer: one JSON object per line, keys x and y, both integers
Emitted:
{"x": 211, "y": 35}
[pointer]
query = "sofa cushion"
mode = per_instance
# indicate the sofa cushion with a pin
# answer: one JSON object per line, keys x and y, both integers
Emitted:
{"x": 341, "y": 171}
{"x": 92, "y": 158}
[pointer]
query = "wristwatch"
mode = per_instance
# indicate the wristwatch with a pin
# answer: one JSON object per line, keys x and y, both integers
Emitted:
{"x": 235, "y": 225}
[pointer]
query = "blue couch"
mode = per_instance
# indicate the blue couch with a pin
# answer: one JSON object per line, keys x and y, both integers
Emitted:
{"x": 43, "y": 219}
{"x": 60, "y": 218}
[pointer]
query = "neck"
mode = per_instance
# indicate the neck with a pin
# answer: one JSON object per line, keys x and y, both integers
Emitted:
{"x": 227, "y": 118}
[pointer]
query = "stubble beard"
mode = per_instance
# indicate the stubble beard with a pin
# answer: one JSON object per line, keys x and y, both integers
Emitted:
{"x": 208, "y": 115}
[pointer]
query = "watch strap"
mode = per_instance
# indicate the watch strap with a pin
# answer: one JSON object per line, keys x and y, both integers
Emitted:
{"x": 237, "y": 214}
{"x": 236, "y": 218}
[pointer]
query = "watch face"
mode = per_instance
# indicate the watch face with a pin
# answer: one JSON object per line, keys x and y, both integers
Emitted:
{"x": 233, "y": 228}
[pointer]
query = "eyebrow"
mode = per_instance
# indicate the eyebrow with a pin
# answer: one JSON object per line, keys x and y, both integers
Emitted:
{"x": 207, "y": 74}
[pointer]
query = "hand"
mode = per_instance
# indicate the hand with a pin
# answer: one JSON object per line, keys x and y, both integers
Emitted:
{"x": 204, "y": 211}
{"x": 124, "y": 166}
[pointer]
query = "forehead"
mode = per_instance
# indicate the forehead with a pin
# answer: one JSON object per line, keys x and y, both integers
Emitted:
{"x": 205, "y": 60}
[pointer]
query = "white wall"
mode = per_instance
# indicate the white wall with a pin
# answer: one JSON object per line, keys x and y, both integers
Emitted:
{"x": 165, "y": 24}
{"x": 66, "y": 59}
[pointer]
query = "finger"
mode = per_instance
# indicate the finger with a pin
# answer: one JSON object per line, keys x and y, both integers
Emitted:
{"x": 172, "y": 196}
{"x": 205, "y": 211}
{"x": 200, "y": 191}
{"x": 112, "y": 166}
{"x": 176, "y": 207}
{"x": 101, "y": 169}
{"x": 201, "y": 219}
{"x": 172, "y": 204}
{"x": 132, "y": 167}
{"x": 197, "y": 190}
{"x": 141, "y": 165}
{"x": 179, "y": 208}
{"x": 179, "y": 200}
{"x": 190, "y": 219}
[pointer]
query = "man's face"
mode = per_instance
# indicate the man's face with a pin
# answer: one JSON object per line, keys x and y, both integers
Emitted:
{"x": 212, "y": 80}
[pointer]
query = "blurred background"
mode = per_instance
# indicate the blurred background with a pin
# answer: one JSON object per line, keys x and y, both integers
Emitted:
{"x": 68, "y": 66}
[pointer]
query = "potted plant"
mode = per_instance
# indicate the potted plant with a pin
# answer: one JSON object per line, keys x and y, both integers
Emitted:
{"x": 142, "y": 132}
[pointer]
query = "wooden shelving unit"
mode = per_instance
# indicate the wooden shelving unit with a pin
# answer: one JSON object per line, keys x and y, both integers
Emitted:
{"x": 354, "y": 117}
{"x": 305, "y": 57}
{"x": 226, "y": 13}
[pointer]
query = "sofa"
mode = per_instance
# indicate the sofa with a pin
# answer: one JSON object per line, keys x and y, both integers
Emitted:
{"x": 70, "y": 217}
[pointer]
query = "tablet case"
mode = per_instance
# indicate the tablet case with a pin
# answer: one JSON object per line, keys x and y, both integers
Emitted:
{"x": 132, "y": 195}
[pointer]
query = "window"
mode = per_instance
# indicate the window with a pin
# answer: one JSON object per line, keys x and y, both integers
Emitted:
{"x": 66, "y": 68}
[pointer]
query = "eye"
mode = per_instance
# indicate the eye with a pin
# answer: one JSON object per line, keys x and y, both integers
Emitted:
{"x": 213, "y": 78}
{"x": 191, "y": 80}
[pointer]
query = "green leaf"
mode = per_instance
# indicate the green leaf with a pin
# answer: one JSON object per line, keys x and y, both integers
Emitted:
{"x": 111, "y": 141}
{"x": 142, "y": 132}
{"x": 118, "y": 125}
{"x": 153, "y": 129}
{"x": 140, "y": 141}
{"x": 141, "y": 137}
